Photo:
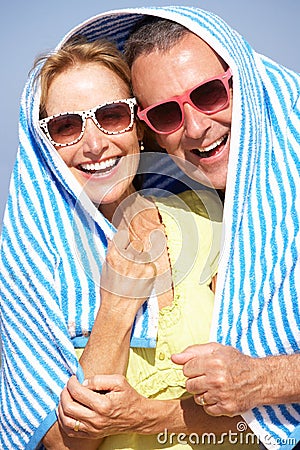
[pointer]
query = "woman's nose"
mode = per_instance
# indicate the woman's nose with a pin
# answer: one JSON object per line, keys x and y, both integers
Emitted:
{"x": 94, "y": 140}
{"x": 196, "y": 123}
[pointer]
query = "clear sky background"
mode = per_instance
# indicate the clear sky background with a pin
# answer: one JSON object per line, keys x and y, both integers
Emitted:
{"x": 29, "y": 28}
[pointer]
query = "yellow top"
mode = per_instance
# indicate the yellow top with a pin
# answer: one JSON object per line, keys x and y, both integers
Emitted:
{"x": 187, "y": 321}
{"x": 193, "y": 246}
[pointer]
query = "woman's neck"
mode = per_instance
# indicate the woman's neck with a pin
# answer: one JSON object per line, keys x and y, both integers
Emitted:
{"x": 109, "y": 209}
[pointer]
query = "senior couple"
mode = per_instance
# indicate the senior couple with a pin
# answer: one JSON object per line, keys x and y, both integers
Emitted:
{"x": 230, "y": 119}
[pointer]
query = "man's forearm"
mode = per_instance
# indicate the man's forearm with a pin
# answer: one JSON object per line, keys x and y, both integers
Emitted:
{"x": 280, "y": 379}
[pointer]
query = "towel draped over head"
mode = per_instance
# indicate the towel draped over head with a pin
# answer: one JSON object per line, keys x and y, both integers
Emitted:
{"x": 50, "y": 297}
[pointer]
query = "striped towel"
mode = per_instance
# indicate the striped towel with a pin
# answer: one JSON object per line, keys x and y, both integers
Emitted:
{"x": 256, "y": 308}
{"x": 53, "y": 244}
{"x": 257, "y": 299}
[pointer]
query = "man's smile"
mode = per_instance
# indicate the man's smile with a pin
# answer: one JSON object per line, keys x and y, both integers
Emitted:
{"x": 210, "y": 150}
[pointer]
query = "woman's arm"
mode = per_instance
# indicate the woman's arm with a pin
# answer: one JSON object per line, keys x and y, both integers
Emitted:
{"x": 122, "y": 294}
{"x": 123, "y": 410}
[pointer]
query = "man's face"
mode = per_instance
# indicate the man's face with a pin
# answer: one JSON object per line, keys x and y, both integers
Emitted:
{"x": 202, "y": 140}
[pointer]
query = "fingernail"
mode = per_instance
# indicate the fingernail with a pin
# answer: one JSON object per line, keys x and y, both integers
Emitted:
{"x": 85, "y": 382}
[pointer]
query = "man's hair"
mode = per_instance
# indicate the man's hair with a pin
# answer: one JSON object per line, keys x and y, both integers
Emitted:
{"x": 152, "y": 33}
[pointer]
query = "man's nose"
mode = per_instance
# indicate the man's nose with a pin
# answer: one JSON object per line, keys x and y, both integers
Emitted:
{"x": 195, "y": 122}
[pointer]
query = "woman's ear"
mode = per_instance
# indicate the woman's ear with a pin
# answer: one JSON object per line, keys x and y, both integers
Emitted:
{"x": 140, "y": 129}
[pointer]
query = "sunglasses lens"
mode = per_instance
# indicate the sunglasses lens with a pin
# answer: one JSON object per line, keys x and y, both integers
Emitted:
{"x": 65, "y": 128}
{"x": 166, "y": 117}
{"x": 210, "y": 97}
{"x": 115, "y": 117}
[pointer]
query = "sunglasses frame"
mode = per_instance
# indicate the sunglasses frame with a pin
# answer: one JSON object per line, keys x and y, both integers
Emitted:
{"x": 90, "y": 113}
{"x": 185, "y": 98}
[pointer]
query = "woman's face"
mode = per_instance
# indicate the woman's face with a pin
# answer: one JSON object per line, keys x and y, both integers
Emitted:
{"x": 104, "y": 164}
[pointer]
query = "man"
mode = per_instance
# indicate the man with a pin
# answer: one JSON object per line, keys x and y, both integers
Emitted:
{"x": 235, "y": 115}
{"x": 201, "y": 134}
{"x": 199, "y": 138}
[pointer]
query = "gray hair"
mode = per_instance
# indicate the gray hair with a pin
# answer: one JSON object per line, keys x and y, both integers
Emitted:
{"x": 152, "y": 33}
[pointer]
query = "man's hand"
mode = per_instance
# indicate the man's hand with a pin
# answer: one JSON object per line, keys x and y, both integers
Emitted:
{"x": 223, "y": 380}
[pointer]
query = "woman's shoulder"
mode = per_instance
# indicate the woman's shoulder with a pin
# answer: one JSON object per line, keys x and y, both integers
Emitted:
{"x": 205, "y": 203}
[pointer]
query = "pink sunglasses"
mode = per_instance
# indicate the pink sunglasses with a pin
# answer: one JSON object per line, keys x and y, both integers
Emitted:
{"x": 208, "y": 97}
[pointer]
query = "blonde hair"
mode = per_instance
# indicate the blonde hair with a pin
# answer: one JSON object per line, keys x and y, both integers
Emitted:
{"x": 79, "y": 51}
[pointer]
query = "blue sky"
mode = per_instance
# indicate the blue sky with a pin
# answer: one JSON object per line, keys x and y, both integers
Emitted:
{"x": 29, "y": 28}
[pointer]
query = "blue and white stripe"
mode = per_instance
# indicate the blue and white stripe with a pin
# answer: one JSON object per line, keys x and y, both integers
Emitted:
{"x": 257, "y": 301}
{"x": 52, "y": 247}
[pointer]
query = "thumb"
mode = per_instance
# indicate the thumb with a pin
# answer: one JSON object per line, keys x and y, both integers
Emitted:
{"x": 183, "y": 357}
{"x": 189, "y": 353}
{"x": 103, "y": 383}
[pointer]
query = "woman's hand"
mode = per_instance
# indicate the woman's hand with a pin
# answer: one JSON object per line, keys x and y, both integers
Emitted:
{"x": 99, "y": 414}
{"x": 134, "y": 256}
{"x": 128, "y": 272}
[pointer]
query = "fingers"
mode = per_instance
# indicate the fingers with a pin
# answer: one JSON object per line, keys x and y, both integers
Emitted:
{"x": 106, "y": 383}
{"x": 137, "y": 245}
{"x": 200, "y": 400}
{"x": 83, "y": 412}
{"x": 152, "y": 242}
{"x": 197, "y": 385}
{"x": 122, "y": 252}
{"x": 193, "y": 359}
{"x": 128, "y": 271}
{"x": 220, "y": 378}
{"x": 69, "y": 412}
{"x": 215, "y": 411}
{"x": 77, "y": 396}
{"x": 78, "y": 408}
{"x": 199, "y": 359}
{"x": 153, "y": 266}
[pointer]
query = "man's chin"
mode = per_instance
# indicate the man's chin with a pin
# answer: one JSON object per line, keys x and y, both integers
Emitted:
{"x": 214, "y": 180}
{"x": 192, "y": 171}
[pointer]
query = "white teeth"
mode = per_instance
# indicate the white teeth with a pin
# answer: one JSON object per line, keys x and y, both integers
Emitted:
{"x": 99, "y": 165}
{"x": 212, "y": 146}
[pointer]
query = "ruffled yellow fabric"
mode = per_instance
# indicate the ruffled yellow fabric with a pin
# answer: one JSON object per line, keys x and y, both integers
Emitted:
{"x": 185, "y": 322}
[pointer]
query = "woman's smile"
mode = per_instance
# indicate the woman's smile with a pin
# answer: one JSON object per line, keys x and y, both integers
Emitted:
{"x": 101, "y": 168}
{"x": 99, "y": 159}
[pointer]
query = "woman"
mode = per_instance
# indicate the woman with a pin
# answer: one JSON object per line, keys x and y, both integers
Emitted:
{"x": 53, "y": 245}
{"x": 73, "y": 177}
